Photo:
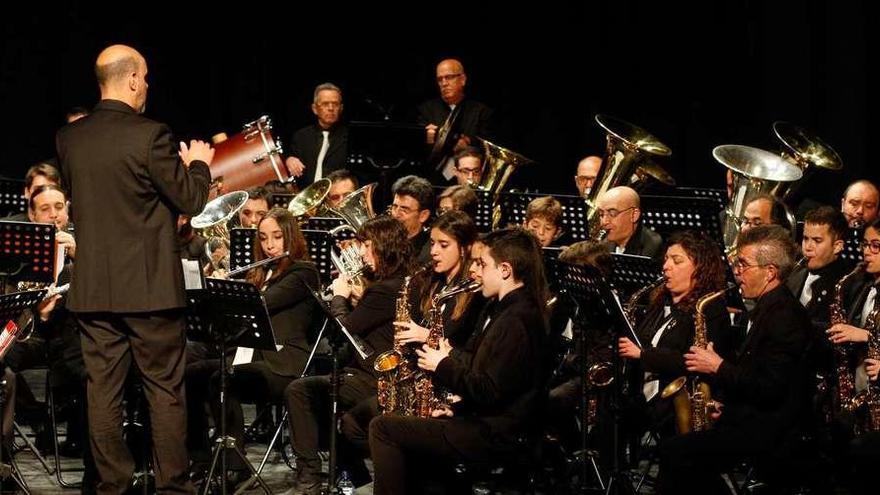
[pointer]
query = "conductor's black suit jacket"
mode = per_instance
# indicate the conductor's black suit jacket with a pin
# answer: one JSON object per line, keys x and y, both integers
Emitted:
{"x": 127, "y": 186}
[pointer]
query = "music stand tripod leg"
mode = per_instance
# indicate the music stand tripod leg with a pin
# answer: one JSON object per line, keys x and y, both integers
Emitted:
{"x": 225, "y": 442}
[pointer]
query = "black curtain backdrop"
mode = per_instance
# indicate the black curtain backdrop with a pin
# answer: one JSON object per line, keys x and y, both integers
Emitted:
{"x": 695, "y": 74}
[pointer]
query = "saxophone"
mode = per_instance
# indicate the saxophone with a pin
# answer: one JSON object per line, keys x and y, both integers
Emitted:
{"x": 871, "y": 397}
{"x": 427, "y": 397}
{"x": 691, "y": 396}
{"x": 845, "y": 400}
{"x": 394, "y": 366}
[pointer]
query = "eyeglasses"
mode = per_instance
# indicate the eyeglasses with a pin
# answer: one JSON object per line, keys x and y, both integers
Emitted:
{"x": 448, "y": 78}
{"x": 469, "y": 172}
{"x": 583, "y": 178}
{"x": 329, "y": 104}
{"x": 754, "y": 222}
{"x": 741, "y": 265}
{"x": 872, "y": 246}
{"x": 612, "y": 213}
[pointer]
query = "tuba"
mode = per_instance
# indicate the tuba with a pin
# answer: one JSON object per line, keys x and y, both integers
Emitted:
{"x": 497, "y": 167}
{"x": 309, "y": 201}
{"x": 628, "y": 147}
{"x": 211, "y": 222}
{"x": 691, "y": 396}
{"x": 755, "y": 172}
{"x": 807, "y": 151}
{"x": 355, "y": 209}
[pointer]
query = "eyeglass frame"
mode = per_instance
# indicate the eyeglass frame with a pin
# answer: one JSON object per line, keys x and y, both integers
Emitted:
{"x": 872, "y": 246}
{"x": 603, "y": 213}
{"x": 449, "y": 77}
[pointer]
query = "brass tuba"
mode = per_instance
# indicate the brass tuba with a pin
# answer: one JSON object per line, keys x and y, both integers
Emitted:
{"x": 628, "y": 147}
{"x": 807, "y": 151}
{"x": 498, "y": 164}
{"x": 755, "y": 172}
{"x": 310, "y": 200}
{"x": 691, "y": 396}
{"x": 355, "y": 209}
{"x": 211, "y": 222}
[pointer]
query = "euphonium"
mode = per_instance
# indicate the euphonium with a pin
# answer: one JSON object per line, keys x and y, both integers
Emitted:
{"x": 846, "y": 389}
{"x": 693, "y": 407}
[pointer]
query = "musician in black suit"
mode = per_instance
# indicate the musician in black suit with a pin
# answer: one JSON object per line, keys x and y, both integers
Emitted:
{"x": 385, "y": 250}
{"x": 620, "y": 214}
{"x": 692, "y": 269}
{"x": 310, "y": 159}
{"x": 474, "y": 118}
{"x": 761, "y": 390}
{"x": 863, "y": 320}
{"x": 130, "y": 182}
{"x": 499, "y": 379}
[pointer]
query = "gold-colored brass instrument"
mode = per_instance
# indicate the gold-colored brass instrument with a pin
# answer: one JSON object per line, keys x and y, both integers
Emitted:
{"x": 394, "y": 366}
{"x": 356, "y": 208}
{"x": 211, "y": 222}
{"x": 755, "y": 172}
{"x": 425, "y": 396}
{"x": 871, "y": 396}
{"x": 497, "y": 167}
{"x": 692, "y": 397}
{"x": 627, "y": 148}
{"x": 807, "y": 151}
{"x": 310, "y": 200}
{"x": 845, "y": 400}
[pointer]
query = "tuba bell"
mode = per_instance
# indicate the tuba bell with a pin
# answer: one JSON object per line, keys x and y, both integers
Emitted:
{"x": 628, "y": 148}
{"x": 310, "y": 200}
{"x": 497, "y": 167}
{"x": 211, "y": 222}
{"x": 356, "y": 208}
{"x": 807, "y": 151}
{"x": 755, "y": 172}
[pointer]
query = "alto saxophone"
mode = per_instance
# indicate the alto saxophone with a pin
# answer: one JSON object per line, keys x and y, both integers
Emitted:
{"x": 845, "y": 399}
{"x": 426, "y": 397}
{"x": 691, "y": 396}
{"x": 871, "y": 396}
{"x": 394, "y": 366}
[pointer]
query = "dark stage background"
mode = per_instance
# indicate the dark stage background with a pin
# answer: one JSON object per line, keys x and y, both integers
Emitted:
{"x": 695, "y": 75}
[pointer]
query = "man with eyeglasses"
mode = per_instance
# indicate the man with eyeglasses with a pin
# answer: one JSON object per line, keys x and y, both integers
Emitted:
{"x": 761, "y": 389}
{"x": 763, "y": 209}
{"x": 859, "y": 203}
{"x": 474, "y": 118}
{"x": 864, "y": 319}
{"x": 469, "y": 166}
{"x": 587, "y": 171}
{"x": 413, "y": 198}
{"x": 319, "y": 149}
{"x": 619, "y": 214}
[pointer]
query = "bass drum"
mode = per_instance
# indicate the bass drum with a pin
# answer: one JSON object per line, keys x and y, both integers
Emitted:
{"x": 249, "y": 158}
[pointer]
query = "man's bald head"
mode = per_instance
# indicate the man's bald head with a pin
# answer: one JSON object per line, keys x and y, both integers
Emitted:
{"x": 624, "y": 197}
{"x": 121, "y": 72}
{"x": 451, "y": 80}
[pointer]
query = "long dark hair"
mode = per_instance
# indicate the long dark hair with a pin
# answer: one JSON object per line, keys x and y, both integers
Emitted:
{"x": 520, "y": 248}
{"x": 459, "y": 226}
{"x": 709, "y": 271}
{"x": 294, "y": 242}
{"x": 391, "y": 247}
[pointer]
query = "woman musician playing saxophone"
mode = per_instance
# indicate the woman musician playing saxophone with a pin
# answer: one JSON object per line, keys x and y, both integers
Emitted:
{"x": 693, "y": 267}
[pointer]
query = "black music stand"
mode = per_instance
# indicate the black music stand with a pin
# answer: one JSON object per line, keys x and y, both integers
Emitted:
{"x": 630, "y": 272}
{"x": 229, "y": 313}
{"x": 320, "y": 244}
{"x": 668, "y": 214}
{"x": 12, "y": 307}
{"x": 280, "y": 200}
{"x": 574, "y": 212}
{"x": 241, "y": 247}
{"x": 11, "y": 199}
{"x": 852, "y": 246}
{"x": 27, "y": 252}
{"x": 384, "y": 147}
{"x": 718, "y": 196}
{"x": 323, "y": 223}
{"x": 589, "y": 289}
